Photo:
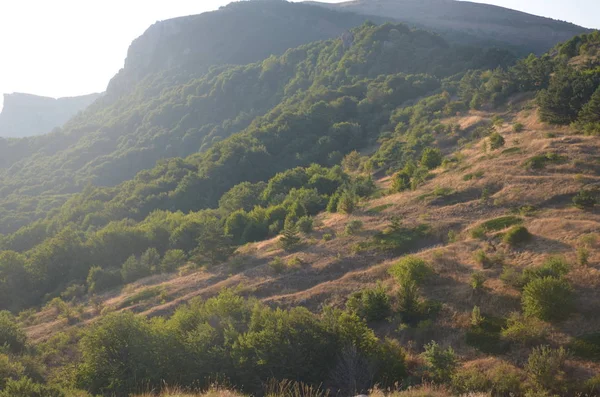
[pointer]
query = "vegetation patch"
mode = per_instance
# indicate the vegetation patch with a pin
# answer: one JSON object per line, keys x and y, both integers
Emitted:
{"x": 379, "y": 209}
{"x": 517, "y": 235}
{"x": 587, "y": 346}
{"x": 542, "y": 160}
{"x": 494, "y": 225}
{"x": 142, "y": 296}
{"x": 486, "y": 335}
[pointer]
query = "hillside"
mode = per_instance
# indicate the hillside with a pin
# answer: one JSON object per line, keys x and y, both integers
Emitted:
{"x": 382, "y": 208}
{"x": 26, "y": 115}
{"x": 480, "y": 186}
{"x": 470, "y": 22}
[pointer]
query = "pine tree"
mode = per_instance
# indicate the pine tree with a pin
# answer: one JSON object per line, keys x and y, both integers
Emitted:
{"x": 290, "y": 238}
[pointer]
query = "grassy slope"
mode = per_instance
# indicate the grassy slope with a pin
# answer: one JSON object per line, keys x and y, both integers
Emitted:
{"x": 330, "y": 271}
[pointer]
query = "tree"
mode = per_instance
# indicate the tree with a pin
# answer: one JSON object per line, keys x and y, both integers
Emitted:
{"x": 212, "y": 243}
{"x": 11, "y": 335}
{"x": 173, "y": 260}
{"x": 441, "y": 363}
{"x": 400, "y": 181}
{"x": 290, "y": 238}
{"x": 347, "y": 202}
{"x": 235, "y": 225}
{"x": 431, "y": 158}
{"x": 150, "y": 260}
{"x": 133, "y": 269}
{"x": 548, "y": 298}
{"x": 496, "y": 141}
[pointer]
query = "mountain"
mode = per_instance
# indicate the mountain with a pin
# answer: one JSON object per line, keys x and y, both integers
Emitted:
{"x": 378, "y": 208}
{"x": 239, "y": 33}
{"x": 470, "y": 22}
{"x": 26, "y": 115}
{"x": 155, "y": 110}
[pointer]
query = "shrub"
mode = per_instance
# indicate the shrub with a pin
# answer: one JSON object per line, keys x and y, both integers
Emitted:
{"x": 431, "y": 158}
{"x": 73, "y": 292}
{"x": 99, "y": 279}
{"x": 347, "y": 202}
{"x": 583, "y": 256}
{"x": 173, "y": 260}
{"x": 481, "y": 258}
{"x": 133, "y": 269}
{"x": 548, "y": 299}
{"x": 26, "y": 387}
{"x": 586, "y": 199}
{"x": 470, "y": 380}
{"x": 553, "y": 266}
{"x": 476, "y": 317}
{"x": 372, "y": 304}
{"x": 541, "y": 160}
{"x": 517, "y": 235}
{"x": 496, "y": 141}
{"x": 518, "y": 127}
{"x": 587, "y": 346}
{"x": 411, "y": 268}
{"x": 327, "y": 237}
{"x": 506, "y": 380}
{"x": 277, "y": 265}
{"x": 142, "y": 295}
{"x": 545, "y": 367}
{"x": 441, "y": 364}
{"x": 526, "y": 331}
{"x": 305, "y": 224}
{"x": 478, "y": 280}
{"x": 353, "y": 227}
{"x": 400, "y": 181}
{"x": 408, "y": 301}
{"x": 11, "y": 335}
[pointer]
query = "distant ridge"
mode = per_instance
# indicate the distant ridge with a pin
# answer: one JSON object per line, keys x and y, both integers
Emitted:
{"x": 470, "y": 22}
{"x": 29, "y": 115}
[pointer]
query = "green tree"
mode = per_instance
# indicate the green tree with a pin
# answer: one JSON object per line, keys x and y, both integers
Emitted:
{"x": 549, "y": 299}
{"x": 441, "y": 363}
{"x": 173, "y": 260}
{"x": 290, "y": 238}
{"x": 12, "y": 336}
{"x": 431, "y": 158}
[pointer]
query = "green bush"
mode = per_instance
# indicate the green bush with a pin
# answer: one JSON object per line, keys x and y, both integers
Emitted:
{"x": 431, "y": 158}
{"x": 353, "y": 227}
{"x": 441, "y": 363}
{"x": 586, "y": 199}
{"x": 290, "y": 239}
{"x": 347, "y": 202}
{"x": 478, "y": 280}
{"x": 486, "y": 335}
{"x": 545, "y": 367}
{"x": 526, "y": 331}
{"x": 11, "y": 335}
{"x": 518, "y": 127}
{"x": 372, "y": 304}
{"x": 173, "y": 260}
{"x": 548, "y": 299}
{"x": 305, "y": 224}
{"x": 26, "y": 387}
{"x": 587, "y": 346}
{"x": 99, "y": 279}
{"x": 517, "y": 235}
{"x": 496, "y": 141}
{"x": 553, "y": 266}
{"x": 411, "y": 269}
{"x": 400, "y": 181}
{"x": 540, "y": 161}
{"x": 470, "y": 380}
{"x": 133, "y": 269}
{"x": 277, "y": 265}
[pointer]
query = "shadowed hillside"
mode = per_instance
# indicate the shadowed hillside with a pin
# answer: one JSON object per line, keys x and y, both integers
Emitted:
{"x": 470, "y": 22}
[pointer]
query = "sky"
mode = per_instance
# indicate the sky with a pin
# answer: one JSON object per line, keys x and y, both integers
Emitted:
{"x": 73, "y": 47}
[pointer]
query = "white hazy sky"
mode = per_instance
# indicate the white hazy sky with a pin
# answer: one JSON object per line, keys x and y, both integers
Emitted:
{"x": 73, "y": 47}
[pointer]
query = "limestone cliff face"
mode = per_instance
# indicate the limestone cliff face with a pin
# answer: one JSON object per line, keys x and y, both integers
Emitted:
{"x": 240, "y": 33}
{"x": 28, "y": 115}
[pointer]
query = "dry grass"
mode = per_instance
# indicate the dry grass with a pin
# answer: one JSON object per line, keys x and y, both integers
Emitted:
{"x": 331, "y": 271}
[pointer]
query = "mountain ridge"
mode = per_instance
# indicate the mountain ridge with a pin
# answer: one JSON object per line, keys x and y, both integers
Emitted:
{"x": 25, "y": 115}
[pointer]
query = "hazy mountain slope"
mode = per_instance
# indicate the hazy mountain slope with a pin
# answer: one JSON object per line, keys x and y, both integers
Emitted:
{"x": 239, "y": 33}
{"x": 28, "y": 115}
{"x": 470, "y": 22}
